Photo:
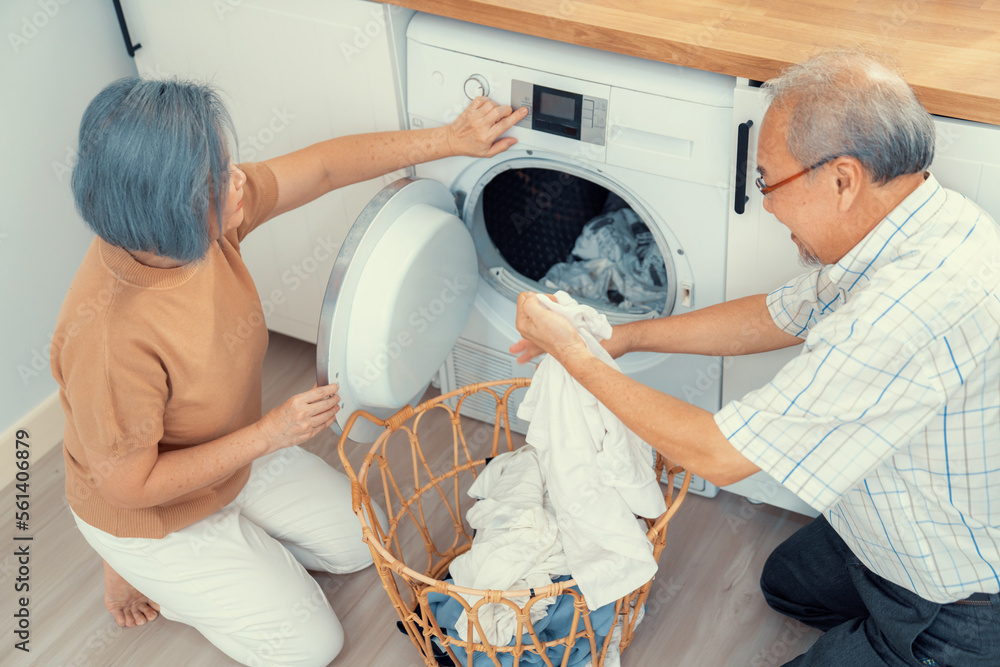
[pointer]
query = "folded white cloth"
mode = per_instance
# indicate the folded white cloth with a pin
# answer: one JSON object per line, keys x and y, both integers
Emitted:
{"x": 598, "y": 474}
{"x": 516, "y": 544}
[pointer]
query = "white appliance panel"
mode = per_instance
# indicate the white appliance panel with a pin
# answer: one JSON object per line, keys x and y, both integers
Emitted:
{"x": 668, "y": 155}
{"x": 400, "y": 292}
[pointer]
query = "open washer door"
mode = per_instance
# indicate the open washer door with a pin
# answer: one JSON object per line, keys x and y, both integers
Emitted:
{"x": 401, "y": 291}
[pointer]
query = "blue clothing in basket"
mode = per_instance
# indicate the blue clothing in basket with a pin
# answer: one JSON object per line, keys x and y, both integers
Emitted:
{"x": 555, "y": 625}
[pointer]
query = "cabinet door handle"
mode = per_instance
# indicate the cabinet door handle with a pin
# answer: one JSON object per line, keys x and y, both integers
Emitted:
{"x": 129, "y": 46}
{"x": 742, "y": 157}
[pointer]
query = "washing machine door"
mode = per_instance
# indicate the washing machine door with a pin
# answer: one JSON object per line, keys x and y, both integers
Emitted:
{"x": 401, "y": 290}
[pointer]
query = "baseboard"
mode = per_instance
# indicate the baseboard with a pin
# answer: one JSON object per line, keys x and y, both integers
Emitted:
{"x": 44, "y": 425}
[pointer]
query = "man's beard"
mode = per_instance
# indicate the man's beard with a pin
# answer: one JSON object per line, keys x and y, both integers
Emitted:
{"x": 807, "y": 258}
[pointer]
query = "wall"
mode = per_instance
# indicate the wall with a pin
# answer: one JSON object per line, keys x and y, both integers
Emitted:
{"x": 55, "y": 56}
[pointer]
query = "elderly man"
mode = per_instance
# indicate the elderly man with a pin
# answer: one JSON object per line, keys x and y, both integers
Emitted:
{"x": 888, "y": 422}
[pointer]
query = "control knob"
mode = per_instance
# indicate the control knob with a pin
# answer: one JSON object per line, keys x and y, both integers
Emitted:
{"x": 475, "y": 86}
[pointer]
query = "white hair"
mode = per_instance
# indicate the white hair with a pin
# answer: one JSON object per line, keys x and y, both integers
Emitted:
{"x": 848, "y": 102}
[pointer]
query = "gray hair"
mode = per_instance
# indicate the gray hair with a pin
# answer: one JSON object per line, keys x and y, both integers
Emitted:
{"x": 152, "y": 155}
{"x": 848, "y": 102}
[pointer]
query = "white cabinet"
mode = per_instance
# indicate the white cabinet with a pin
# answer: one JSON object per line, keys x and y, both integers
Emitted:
{"x": 292, "y": 72}
{"x": 762, "y": 257}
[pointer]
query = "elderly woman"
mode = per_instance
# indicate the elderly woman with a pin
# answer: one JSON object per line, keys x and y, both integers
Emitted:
{"x": 173, "y": 475}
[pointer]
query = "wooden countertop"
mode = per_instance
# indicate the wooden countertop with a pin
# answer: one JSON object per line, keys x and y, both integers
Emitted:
{"x": 949, "y": 51}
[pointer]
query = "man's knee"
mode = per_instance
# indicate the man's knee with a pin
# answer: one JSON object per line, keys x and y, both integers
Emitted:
{"x": 772, "y": 582}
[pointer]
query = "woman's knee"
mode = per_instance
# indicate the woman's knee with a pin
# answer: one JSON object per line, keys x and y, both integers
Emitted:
{"x": 309, "y": 638}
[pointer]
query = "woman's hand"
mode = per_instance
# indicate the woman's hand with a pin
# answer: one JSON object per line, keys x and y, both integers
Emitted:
{"x": 544, "y": 331}
{"x": 300, "y": 417}
{"x": 476, "y": 132}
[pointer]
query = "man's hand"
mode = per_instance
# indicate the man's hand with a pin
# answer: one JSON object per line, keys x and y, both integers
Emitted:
{"x": 544, "y": 331}
{"x": 476, "y": 132}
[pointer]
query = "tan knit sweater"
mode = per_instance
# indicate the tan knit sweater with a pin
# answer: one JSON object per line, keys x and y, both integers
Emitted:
{"x": 165, "y": 358}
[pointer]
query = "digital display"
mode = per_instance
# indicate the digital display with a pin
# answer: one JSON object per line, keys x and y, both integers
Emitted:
{"x": 557, "y": 112}
{"x": 557, "y": 106}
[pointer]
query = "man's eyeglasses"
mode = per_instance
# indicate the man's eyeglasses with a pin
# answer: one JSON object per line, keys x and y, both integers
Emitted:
{"x": 766, "y": 190}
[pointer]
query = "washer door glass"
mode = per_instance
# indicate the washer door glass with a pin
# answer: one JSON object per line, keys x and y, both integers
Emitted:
{"x": 401, "y": 291}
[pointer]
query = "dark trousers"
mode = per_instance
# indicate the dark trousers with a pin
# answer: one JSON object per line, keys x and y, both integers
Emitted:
{"x": 869, "y": 622}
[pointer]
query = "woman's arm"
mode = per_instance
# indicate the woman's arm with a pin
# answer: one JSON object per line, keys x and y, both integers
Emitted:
{"x": 740, "y": 326}
{"x": 315, "y": 170}
{"x": 147, "y": 478}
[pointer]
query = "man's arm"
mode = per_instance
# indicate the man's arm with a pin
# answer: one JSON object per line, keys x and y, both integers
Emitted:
{"x": 313, "y": 171}
{"x": 685, "y": 434}
{"x": 740, "y": 326}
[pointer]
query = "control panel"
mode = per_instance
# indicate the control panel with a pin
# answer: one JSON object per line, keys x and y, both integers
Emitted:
{"x": 560, "y": 112}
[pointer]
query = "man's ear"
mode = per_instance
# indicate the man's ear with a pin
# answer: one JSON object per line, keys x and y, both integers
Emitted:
{"x": 849, "y": 177}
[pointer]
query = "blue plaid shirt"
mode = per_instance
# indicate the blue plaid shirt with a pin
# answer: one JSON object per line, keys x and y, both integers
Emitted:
{"x": 888, "y": 422}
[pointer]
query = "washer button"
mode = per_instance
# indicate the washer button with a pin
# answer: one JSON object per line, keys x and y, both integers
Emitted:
{"x": 475, "y": 86}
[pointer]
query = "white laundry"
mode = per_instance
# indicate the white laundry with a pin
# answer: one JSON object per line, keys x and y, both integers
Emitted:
{"x": 516, "y": 545}
{"x": 615, "y": 253}
{"x": 598, "y": 474}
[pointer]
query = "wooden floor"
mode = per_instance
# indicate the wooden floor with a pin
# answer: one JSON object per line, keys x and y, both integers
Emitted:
{"x": 705, "y": 607}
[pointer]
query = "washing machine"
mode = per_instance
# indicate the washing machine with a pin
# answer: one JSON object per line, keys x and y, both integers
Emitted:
{"x": 427, "y": 280}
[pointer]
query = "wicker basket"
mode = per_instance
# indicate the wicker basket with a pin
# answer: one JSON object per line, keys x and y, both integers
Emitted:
{"x": 425, "y": 501}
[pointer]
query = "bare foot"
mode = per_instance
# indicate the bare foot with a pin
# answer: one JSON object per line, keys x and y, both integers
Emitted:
{"x": 128, "y": 606}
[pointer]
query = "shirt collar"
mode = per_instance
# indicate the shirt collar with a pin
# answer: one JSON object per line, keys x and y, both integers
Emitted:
{"x": 883, "y": 243}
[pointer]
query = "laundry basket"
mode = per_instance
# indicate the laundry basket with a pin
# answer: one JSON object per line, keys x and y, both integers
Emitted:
{"x": 419, "y": 470}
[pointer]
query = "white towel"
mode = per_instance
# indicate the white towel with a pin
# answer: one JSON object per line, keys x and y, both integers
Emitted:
{"x": 598, "y": 474}
{"x": 516, "y": 544}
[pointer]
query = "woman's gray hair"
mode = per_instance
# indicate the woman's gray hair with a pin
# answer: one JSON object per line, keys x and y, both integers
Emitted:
{"x": 848, "y": 102}
{"x": 152, "y": 155}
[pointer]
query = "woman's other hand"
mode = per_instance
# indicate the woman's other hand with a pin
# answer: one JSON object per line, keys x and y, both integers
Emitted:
{"x": 476, "y": 132}
{"x": 300, "y": 417}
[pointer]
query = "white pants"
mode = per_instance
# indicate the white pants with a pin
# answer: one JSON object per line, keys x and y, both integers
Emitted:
{"x": 239, "y": 576}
